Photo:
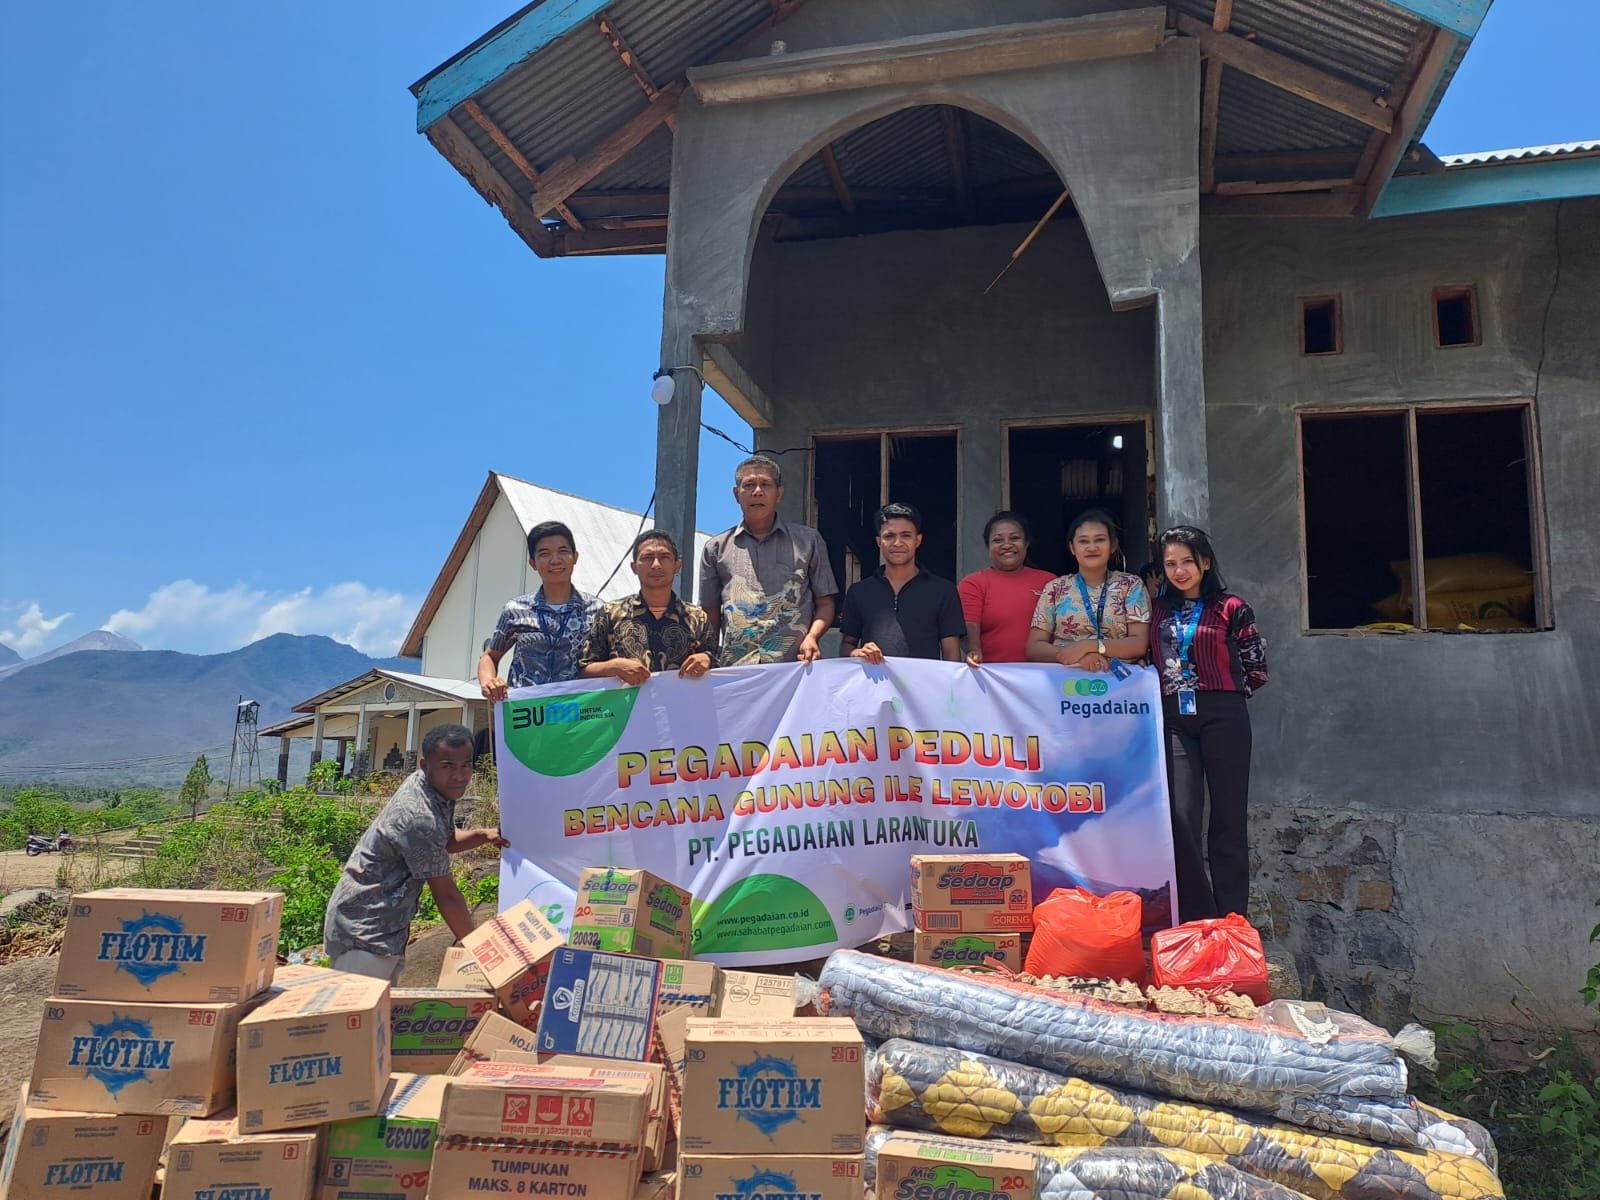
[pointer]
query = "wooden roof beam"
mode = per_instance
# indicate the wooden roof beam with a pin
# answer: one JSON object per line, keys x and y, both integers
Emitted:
{"x": 1413, "y": 106}
{"x": 619, "y": 44}
{"x": 1307, "y": 82}
{"x": 450, "y": 140}
{"x": 1211, "y": 101}
{"x": 955, "y": 141}
{"x": 841, "y": 189}
{"x": 570, "y": 175}
{"x": 498, "y": 137}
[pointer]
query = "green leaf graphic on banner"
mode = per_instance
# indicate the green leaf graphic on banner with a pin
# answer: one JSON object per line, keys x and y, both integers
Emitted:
{"x": 566, "y": 734}
{"x": 763, "y": 912}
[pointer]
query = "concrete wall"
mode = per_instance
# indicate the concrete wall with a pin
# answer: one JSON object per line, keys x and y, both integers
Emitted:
{"x": 894, "y": 330}
{"x": 494, "y": 570}
{"x": 1425, "y": 806}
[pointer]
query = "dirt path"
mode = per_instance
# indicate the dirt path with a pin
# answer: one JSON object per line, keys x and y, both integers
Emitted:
{"x": 18, "y": 870}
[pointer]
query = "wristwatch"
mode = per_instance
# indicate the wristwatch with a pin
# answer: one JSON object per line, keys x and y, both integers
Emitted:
{"x": 1100, "y": 645}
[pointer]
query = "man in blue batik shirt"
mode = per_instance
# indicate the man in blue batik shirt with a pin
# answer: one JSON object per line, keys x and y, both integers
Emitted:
{"x": 548, "y": 628}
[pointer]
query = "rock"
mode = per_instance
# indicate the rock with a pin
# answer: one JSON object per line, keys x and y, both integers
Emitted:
{"x": 23, "y": 897}
{"x": 24, "y": 985}
{"x": 1283, "y": 975}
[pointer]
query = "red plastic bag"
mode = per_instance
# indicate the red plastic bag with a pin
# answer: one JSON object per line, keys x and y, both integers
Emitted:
{"x": 1220, "y": 954}
{"x": 1078, "y": 933}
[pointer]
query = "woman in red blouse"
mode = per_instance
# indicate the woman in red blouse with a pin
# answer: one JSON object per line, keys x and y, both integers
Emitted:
{"x": 998, "y": 601}
{"x": 1211, "y": 659}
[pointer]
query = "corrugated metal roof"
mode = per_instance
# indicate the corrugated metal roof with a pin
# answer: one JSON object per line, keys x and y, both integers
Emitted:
{"x": 573, "y": 92}
{"x": 1523, "y": 154}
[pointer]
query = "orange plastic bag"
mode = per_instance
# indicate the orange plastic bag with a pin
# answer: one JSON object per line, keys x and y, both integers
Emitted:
{"x": 1078, "y": 933}
{"x": 1223, "y": 953}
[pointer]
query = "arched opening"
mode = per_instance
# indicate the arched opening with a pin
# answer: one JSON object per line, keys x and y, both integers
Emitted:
{"x": 916, "y": 354}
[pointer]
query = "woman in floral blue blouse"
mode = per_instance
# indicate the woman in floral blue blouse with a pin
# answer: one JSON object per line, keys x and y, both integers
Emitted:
{"x": 1095, "y": 619}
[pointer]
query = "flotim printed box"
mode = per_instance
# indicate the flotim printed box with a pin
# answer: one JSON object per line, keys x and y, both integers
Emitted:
{"x": 631, "y": 912}
{"x": 91, "y": 1155}
{"x": 910, "y": 1166}
{"x": 112, "y": 1057}
{"x": 509, "y": 1128}
{"x": 315, "y": 1053}
{"x": 513, "y": 950}
{"x": 766, "y": 1088}
{"x": 429, "y": 1026}
{"x": 385, "y": 1156}
{"x": 600, "y": 1005}
{"x": 962, "y": 893}
{"x": 460, "y": 970}
{"x": 156, "y": 945}
{"x": 812, "y": 1176}
{"x": 966, "y": 949}
{"x": 209, "y": 1160}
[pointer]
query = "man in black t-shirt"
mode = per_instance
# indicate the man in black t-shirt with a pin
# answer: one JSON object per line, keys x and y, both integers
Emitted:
{"x": 902, "y": 611}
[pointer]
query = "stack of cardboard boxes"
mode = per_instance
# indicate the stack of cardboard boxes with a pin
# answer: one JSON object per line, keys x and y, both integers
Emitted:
{"x": 772, "y": 1109}
{"x": 968, "y": 908}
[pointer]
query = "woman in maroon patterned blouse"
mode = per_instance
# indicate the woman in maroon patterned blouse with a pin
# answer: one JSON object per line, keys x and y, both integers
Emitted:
{"x": 1211, "y": 659}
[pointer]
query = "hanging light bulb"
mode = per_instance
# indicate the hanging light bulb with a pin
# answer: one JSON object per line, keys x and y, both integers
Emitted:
{"x": 661, "y": 391}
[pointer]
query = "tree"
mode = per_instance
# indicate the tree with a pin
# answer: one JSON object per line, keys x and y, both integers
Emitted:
{"x": 195, "y": 786}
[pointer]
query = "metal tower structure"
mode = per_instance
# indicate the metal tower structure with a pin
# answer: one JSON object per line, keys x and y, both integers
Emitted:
{"x": 244, "y": 763}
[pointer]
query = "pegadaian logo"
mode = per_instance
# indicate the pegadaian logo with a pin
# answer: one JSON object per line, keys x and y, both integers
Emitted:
{"x": 120, "y": 1052}
{"x": 1084, "y": 687}
{"x": 764, "y": 1183}
{"x": 151, "y": 946}
{"x": 769, "y": 1092}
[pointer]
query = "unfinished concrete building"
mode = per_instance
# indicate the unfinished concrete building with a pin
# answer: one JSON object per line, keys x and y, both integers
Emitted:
{"x": 1258, "y": 304}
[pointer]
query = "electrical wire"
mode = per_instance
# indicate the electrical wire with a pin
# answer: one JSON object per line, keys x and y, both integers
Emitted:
{"x": 1544, "y": 323}
{"x": 747, "y": 449}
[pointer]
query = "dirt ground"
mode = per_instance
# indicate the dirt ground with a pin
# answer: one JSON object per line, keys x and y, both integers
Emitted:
{"x": 18, "y": 870}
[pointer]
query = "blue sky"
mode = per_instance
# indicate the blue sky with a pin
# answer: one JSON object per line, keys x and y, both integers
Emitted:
{"x": 259, "y": 343}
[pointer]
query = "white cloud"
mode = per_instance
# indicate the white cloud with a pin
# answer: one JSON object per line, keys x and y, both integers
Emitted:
{"x": 31, "y": 629}
{"x": 185, "y": 615}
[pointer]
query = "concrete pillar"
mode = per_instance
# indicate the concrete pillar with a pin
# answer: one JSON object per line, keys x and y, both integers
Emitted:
{"x": 1184, "y": 488}
{"x": 413, "y": 733}
{"x": 363, "y": 757}
{"x": 316, "y": 739}
{"x": 678, "y": 443}
{"x": 283, "y": 761}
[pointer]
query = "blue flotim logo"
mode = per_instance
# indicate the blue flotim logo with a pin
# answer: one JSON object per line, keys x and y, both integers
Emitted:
{"x": 769, "y": 1093}
{"x": 151, "y": 946}
{"x": 120, "y": 1052}
{"x": 762, "y": 1183}
{"x": 1084, "y": 687}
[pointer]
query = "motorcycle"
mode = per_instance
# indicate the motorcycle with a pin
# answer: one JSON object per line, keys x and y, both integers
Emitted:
{"x": 39, "y": 844}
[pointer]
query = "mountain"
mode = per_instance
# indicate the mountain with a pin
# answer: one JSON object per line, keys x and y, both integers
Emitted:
{"x": 100, "y": 639}
{"x": 130, "y": 707}
{"x": 8, "y": 655}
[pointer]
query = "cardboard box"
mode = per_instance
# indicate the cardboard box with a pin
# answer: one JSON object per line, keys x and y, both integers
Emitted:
{"x": 512, "y": 1101}
{"x": 314, "y": 1054}
{"x": 429, "y": 1026}
{"x": 971, "y": 893}
{"x": 768, "y": 1088}
{"x": 464, "y": 1166}
{"x": 69, "y": 1154}
{"x": 814, "y": 1176}
{"x": 460, "y": 970}
{"x": 388, "y": 1154}
{"x": 747, "y": 996}
{"x": 211, "y": 1159}
{"x": 493, "y": 1035}
{"x": 915, "y": 1166}
{"x": 513, "y": 950}
{"x": 158, "y": 945}
{"x": 294, "y": 974}
{"x": 600, "y": 1005}
{"x": 119, "y": 1057}
{"x": 661, "y": 1186}
{"x": 697, "y": 984}
{"x": 966, "y": 949}
{"x": 631, "y": 912}
{"x": 656, "y": 1120}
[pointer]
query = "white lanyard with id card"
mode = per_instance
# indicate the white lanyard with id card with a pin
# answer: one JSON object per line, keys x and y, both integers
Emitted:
{"x": 1183, "y": 635}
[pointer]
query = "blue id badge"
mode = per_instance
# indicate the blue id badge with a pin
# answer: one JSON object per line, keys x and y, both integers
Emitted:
{"x": 1120, "y": 669}
{"x": 1186, "y": 702}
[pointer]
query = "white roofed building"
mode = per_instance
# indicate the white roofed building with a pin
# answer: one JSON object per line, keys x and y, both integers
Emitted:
{"x": 378, "y": 719}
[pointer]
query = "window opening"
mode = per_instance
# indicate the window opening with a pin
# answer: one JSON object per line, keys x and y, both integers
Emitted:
{"x": 1450, "y": 485}
{"x": 1455, "y": 316}
{"x": 1320, "y": 326}
{"x": 1059, "y": 471}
